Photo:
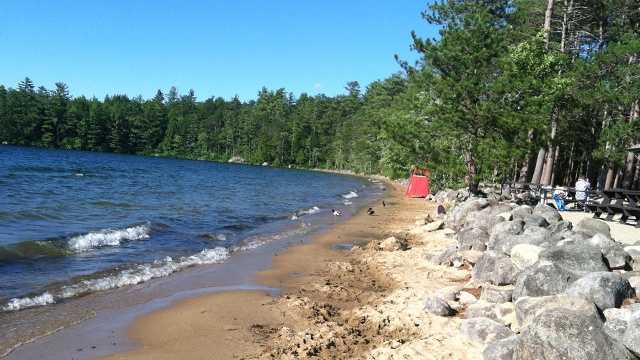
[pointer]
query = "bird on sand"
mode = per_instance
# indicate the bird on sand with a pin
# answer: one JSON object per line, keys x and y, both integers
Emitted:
{"x": 370, "y": 211}
{"x": 336, "y": 212}
{"x": 383, "y": 204}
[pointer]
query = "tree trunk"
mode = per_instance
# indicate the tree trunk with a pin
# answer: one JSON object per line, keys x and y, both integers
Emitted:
{"x": 630, "y": 158}
{"x": 471, "y": 179}
{"x": 550, "y": 155}
{"x": 547, "y": 23}
{"x": 556, "y": 155}
{"x": 636, "y": 177}
{"x": 608, "y": 183}
{"x": 537, "y": 173}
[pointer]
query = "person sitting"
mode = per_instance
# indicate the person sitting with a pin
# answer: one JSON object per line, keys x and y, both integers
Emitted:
{"x": 559, "y": 196}
{"x": 582, "y": 191}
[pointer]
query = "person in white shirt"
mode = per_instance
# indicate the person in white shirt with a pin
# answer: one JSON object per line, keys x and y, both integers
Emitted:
{"x": 582, "y": 190}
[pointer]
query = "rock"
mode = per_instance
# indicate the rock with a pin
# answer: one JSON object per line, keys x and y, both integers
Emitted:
{"x": 605, "y": 289}
{"x": 623, "y": 314}
{"x": 507, "y": 216}
{"x": 560, "y": 227}
{"x": 550, "y": 214}
{"x": 525, "y": 255}
{"x": 617, "y": 258}
{"x": 449, "y": 293}
{"x": 572, "y": 332}
{"x": 446, "y": 256}
{"x": 472, "y": 239}
{"x": 466, "y": 298}
{"x": 615, "y": 329}
{"x": 484, "y": 330}
{"x": 591, "y": 226}
{"x": 506, "y": 313}
{"x": 487, "y": 218}
{"x": 529, "y": 307}
{"x": 500, "y": 349}
{"x": 434, "y": 226}
{"x": 437, "y": 306}
{"x": 634, "y": 281}
{"x": 481, "y": 309}
{"x": 507, "y": 227}
{"x": 457, "y": 217}
{"x": 471, "y": 256}
{"x": 505, "y": 242}
{"x": 494, "y": 268}
{"x": 390, "y": 244}
{"x": 577, "y": 258}
{"x": 631, "y": 337}
{"x": 543, "y": 279}
{"x": 496, "y": 294}
{"x": 633, "y": 250}
{"x": 535, "y": 220}
{"x": 522, "y": 211}
{"x": 448, "y": 232}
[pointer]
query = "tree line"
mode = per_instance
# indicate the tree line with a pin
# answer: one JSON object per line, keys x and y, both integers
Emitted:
{"x": 538, "y": 91}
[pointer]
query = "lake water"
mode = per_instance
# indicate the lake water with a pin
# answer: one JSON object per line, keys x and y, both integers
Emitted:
{"x": 74, "y": 223}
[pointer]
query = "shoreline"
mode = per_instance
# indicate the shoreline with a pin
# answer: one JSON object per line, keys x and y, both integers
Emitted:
{"x": 332, "y": 303}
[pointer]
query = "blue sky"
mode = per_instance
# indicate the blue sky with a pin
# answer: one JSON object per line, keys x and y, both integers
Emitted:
{"x": 218, "y": 48}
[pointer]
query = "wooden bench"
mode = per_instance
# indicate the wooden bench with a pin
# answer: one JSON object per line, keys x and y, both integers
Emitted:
{"x": 614, "y": 202}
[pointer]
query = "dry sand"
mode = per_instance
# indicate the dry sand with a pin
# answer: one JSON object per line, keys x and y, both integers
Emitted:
{"x": 363, "y": 303}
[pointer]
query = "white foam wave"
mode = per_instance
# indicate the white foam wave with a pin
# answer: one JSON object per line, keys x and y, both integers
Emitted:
{"x": 350, "y": 195}
{"x": 108, "y": 237}
{"x": 27, "y": 302}
{"x": 310, "y": 211}
{"x": 134, "y": 276}
{"x": 347, "y": 203}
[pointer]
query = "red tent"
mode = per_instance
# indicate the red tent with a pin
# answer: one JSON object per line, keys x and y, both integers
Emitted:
{"x": 418, "y": 183}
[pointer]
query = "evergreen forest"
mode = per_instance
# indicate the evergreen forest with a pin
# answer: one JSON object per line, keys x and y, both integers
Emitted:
{"x": 539, "y": 91}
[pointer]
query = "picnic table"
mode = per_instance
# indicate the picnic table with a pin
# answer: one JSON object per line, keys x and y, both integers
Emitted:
{"x": 616, "y": 201}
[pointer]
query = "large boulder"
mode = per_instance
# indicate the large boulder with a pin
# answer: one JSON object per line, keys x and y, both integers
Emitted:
{"x": 577, "y": 258}
{"x": 487, "y": 218}
{"x": 522, "y": 211}
{"x": 613, "y": 252}
{"x": 494, "y": 268}
{"x": 481, "y": 309}
{"x": 550, "y": 214}
{"x": 572, "y": 332}
{"x": 528, "y": 307}
{"x": 536, "y": 220}
{"x": 543, "y": 278}
{"x": 605, "y": 289}
{"x": 472, "y": 239}
{"x": 616, "y": 329}
{"x": 514, "y": 227}
{"x": 484, "y": 330}
{"x": 504, "y": 242}
{"x": 500, "y": 349}
{"x": 446, "y": 257}
{"x": 496, "y": 294}
{"x": 560, "y": 227}
{"x": 457, "y": 217}
{"x": 631, "y": 337}
{"x": 525, "y": 255}
{"x": 591, "y": 226}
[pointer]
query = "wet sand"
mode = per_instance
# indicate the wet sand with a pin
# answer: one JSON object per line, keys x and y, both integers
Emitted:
{"x": 334, "y": 304}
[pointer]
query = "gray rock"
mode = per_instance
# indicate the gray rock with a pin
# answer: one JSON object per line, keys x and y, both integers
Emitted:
{"x": 486, "y": 218}
{"x": 550, "y": 214}
{"x": 472, "y": 239}
{"x": 495, "y": 268}
{"x": 577, "y": 258}
{"x": 634, "y": 281}
{"x": 434, "y": 226}
{"x": 471, "y": 256}
{"x": 631, "y": 337}
{"x": 500, "y": 349}
{"x": 522, "y": 211}
{"x": 504, "y": 242}
{"x": 496, "y": 294}
{"x": 457, "y": 217}
{"x": 514, "y": 227}
{"x": 562, "y": 333}
{"x": 633, "y": 250}
{"x": 543, "y": 279}
{"x": 484, "y": 330}
{"x": 616, "y": 257}
{"x": 591, "y": 226}
{"x": 560, "y": 227}
{"x": 615, "y": 328}
{"x": 481, "y": 309}
{"x": 605, "y": 289}
{"x": 437, "y": 306}
{"x": 536, "y": 220}
{"x": 525, "y": 255}
{"x": 446, "y": 256}
{"x": 529, "y": 307}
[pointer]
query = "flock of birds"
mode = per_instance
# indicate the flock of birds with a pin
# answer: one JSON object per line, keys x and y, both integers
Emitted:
{"x": 370, "y": 211}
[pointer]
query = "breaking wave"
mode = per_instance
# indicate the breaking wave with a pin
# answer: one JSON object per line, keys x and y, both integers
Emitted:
{"x": 132, "y": 276}
{"x": 108, "y": 237}
{"x": 350, "y": 195}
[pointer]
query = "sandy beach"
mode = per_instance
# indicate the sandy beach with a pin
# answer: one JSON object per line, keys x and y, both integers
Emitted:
{"x": 366, "y": 302}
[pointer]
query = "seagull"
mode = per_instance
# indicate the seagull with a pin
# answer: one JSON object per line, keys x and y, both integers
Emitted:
{"x": 370, "y": 211}
{"x": 336, "y": 212}
{"x": 383, "y": 203}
